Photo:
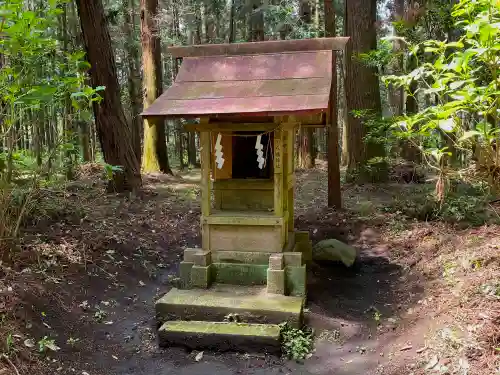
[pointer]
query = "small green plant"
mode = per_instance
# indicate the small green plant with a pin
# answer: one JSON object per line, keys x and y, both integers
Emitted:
{"x": 47, "y": 344}
{"x": 377, "y": 316}
{"x": 297, "y": 344}
{"x": 449, "y": 270}
{"x": 9, "y": 343}
{"x": 72, "y": 341}
{"x": 99, "y": 315}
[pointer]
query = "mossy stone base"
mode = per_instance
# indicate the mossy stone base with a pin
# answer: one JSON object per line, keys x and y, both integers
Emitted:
{"x": 221, "y": 336}
{"x": 296, "y": 281}
{"x": 276, "y": 281}
{"x": 239, "y": 274}
{"x": 252, "y": 304}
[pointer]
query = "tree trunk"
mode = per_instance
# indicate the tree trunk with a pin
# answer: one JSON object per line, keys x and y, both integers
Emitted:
{"x": 231, "y": 38}
{"x": 307, "y": 134}
{"x": 114, "y": 133}
{"x": 85, "y": 141}
{"x": 334, "y": 189}
{"x": 128, "y": 8}
{"x": 362, "y": 85}
{"x": 155, "y": 157}
{"x": 256, "y": 21}
{"x": 396, "y": 95}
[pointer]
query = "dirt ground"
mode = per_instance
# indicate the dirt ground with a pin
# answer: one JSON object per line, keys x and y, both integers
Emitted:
{"x": 86, "y": 275}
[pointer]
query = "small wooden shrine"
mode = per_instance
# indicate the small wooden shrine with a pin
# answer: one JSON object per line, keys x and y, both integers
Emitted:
{"x": 250, "y": 99}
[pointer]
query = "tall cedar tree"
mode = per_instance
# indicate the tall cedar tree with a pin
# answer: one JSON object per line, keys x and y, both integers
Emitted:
{"x": 114, "y": 133}
{"x": 307, "y": 149}
{"x": 154, "y": 157}
{"x": 133, "y": 74}
{"x": 362, "y": 85}
{"x": 334, "y": 192}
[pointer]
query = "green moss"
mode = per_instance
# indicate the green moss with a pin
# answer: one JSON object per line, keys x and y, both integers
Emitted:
{"x": 223, "y": 328}
{"x": 239, "y": 273}
{"x": 296, "y": 281}
{"x": 246, "y": 257}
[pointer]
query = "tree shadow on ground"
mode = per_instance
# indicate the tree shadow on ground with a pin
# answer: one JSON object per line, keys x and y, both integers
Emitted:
{"x": 355, "y": 311}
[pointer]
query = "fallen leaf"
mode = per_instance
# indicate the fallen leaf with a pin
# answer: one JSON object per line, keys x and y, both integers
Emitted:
{"x": 198, "y": 357}
{"x": 52, "y": 347}
{"x": 421, "y": 350}
{"x": 141, "y": 283}
{"x": 408, "y": 347}
{"x": 29, "y": 343}
{"x": 432, "y": 363}
{"x": 109, "y": 322}
{"x": 115, "y": 357}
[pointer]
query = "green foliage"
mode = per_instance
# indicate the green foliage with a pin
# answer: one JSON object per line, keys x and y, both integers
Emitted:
{"x": 464, "y": 204}
{"x": 297, "y": 344}
{"x": 45, "y": 344}
{"x": 380, "y": 57}
{"x": 462, "y": 78}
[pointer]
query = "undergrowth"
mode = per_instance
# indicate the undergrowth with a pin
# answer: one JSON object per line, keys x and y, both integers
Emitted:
{"x": 464, "y": 204}
{"x": 297, "y": 344}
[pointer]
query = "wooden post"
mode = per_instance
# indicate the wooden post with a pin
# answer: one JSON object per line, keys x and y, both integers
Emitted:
{"x": 291, "y": 179}
{"x": 205, "y": 157}
{"x": 206, "y": 161}
{"x": 334, "y": 193}
{"x": 278, "y": 172}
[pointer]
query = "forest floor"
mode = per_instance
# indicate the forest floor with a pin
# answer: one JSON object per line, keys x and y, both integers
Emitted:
{"x": 81, "y": 286}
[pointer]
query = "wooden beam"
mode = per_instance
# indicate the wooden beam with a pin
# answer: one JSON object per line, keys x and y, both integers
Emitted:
{"x": 230, "y": 127}
{"x": 252, "y": 218}
{"x": 275, "y": 46}
{"x": 235, "y": 126}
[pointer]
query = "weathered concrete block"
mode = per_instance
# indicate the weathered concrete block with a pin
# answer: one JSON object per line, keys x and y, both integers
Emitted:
{"x": 201, "y": 276}
{"x": 190, "y": 253}
{"x": 240, "y": 274}
{"x": 276, "y": 262}
{"x": 185, "y": 274}
{"x": 276, "y": 281}
{"x": 221, "y": 336}
{"x": 202, "y": 258}
{"x": 293, "y": 259}
{"x": 246, "y": 257}
{"x": 296, "y": 281}
{"x": 251, "y": 303}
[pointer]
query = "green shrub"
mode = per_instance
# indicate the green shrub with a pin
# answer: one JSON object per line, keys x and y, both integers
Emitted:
{"x": 297, "y": 344}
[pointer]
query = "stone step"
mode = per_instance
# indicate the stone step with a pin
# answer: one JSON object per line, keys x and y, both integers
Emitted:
{"x": 221, "y": 336}
{"x": 251, "y": 304}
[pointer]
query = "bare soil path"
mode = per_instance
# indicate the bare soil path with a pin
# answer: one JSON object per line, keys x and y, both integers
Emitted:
{"x": 88, "y": 279}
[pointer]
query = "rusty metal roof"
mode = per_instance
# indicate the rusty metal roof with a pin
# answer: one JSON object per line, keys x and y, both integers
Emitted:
{"x": 254, "y": 84}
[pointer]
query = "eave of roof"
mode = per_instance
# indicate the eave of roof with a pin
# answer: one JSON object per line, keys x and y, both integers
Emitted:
{"x": 289, "y": 82}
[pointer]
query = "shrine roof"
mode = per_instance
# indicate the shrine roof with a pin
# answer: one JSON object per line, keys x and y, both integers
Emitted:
{"x": 261, "y": 78}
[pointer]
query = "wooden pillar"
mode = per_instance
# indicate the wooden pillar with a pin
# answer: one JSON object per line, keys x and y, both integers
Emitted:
{"x": 205, "y": 158}
{"x": 291, "y": 178}
{"x": 278, "y": 172}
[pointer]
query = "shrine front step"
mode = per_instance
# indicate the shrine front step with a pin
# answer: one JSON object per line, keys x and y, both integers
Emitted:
{"x": 221, "y": 336}
{"x": 246, "y": 304}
